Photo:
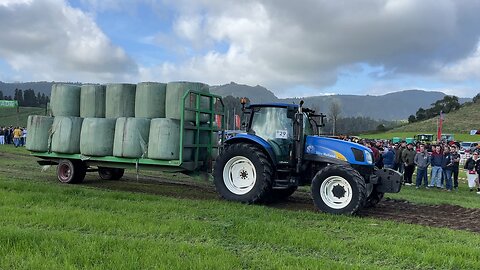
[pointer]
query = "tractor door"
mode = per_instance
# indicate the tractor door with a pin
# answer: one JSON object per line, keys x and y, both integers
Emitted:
{"x": 274, "y": 125}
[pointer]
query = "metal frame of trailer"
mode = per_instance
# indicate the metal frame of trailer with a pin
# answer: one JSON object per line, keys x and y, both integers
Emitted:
{"x": 216, "y": 107}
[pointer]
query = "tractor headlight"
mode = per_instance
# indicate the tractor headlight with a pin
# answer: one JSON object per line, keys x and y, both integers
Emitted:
{"x": 368, "y": 157}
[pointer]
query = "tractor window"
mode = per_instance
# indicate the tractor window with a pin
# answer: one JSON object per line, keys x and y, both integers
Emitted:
{"x": 307, "y": 125}
{"x": 272, "y": 123}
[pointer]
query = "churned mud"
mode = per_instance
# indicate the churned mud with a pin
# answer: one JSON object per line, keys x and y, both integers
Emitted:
{"x": 446, "y": 216}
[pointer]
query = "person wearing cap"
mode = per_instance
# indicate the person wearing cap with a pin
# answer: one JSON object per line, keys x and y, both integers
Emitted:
{"x": 408, "y": 159}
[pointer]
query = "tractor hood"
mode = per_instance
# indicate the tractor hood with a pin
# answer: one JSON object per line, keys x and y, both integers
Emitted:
{"x": 337, "y": 151}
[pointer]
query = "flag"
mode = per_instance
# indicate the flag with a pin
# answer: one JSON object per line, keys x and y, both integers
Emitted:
{"x": 237, "y": 121}
{"x": 440, "y": 125}
{"x": 218, "y": 120}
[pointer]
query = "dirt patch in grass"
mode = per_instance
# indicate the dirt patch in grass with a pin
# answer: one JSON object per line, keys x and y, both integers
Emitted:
{"x": 446, "y": 216}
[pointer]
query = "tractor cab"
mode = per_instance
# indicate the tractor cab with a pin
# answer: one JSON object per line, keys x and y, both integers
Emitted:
{"x": 424, "y": 138}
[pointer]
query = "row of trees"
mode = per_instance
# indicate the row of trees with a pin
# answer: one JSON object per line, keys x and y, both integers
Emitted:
{"x": 27, "y": 98}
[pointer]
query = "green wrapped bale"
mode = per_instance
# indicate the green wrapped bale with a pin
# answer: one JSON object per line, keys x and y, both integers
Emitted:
{"x": 174, "y": 98}
{"x": 164, "y": 140}
{"x": 92, "y": 100}
{"x": 96, "y": 138}
{"x": 131, "y": 137}
{"x": 150, "y": 100}
{"x": 120, "y": 100}
{"x": 66, "y": 134}
{"x": 65, "y": 100}
{"x": 38, "y": 132}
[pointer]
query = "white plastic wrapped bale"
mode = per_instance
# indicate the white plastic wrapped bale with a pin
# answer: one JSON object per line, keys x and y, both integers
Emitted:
{"x": 174, "y": 99}
{"x": 38, "y": 134}
{"x": 65, "y": 100}
{"x": 66, "y": 134}
{"x": 120, "y": 100}
{"x": 131, "y": 137}
{"x": 150, "y": 100}
{"x": 92, "y": 100}
{"x": 96, "y": 138}
{"x": 164, "y": 140}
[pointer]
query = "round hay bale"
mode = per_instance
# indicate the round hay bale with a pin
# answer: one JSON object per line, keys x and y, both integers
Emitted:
{"x": 96, "y": 138}
{"x": 65, "y": 100}
{"x": 174, "y": 98}
{"x": 38, "y": 128}
{"x": 66, "y": 134}
{"x": 150, "y": 100}
{"x": 131, "y": 137}
{"x": 120, "y": 100}
{"x": 92, "y": 100}
{"x": 164, "y": 140}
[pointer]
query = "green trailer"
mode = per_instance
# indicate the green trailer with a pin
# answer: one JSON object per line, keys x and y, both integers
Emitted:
{"x": 73, "y": 167}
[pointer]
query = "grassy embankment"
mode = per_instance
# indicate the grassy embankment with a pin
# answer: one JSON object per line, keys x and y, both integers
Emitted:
{"x": 458, "y": 122}
{"x": 10, "y": 117}
{"x": 46, "y": 225}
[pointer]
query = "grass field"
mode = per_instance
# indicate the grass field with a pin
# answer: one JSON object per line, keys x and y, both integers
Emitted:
{"x": 10, "y": 117}
{"x": 46, "y": 225}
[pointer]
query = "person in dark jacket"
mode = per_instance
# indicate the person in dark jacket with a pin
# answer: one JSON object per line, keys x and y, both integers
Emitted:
{"x": 398, "y": 156}
{"x": 408, "y": 159}
{"x": 437, "y": 162}
{"x": 456, "y": 165}
{"x": 447, "y": 167}
{"x": 422, "y": 161}
{"x": 472, "y": 165}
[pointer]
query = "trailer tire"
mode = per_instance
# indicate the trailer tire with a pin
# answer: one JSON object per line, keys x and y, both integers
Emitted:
{"x": 71, "y": 171}
{"x": 243, "y": 173}
{"x": 339, "y": 189}
{"x": 110, "y": 173}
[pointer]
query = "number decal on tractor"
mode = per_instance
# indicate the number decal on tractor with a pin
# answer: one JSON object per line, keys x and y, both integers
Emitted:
{"x": 281, "y": 134}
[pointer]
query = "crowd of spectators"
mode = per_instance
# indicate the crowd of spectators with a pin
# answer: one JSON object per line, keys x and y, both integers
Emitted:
{"x": 440, "y": 161}
{"x": 13, "y": 135}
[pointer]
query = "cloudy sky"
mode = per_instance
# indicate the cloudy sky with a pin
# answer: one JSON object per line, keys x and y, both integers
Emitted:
{"x": 294, "y": 48}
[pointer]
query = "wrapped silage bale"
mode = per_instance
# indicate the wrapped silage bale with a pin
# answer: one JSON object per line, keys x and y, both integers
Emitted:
{"x": 96, "y": 138}
{"x": 164, "y": 140}
{"x": 207, "y": 137}
{"x": 131, "y": 137}
{"x": 92, "y": 100}
{"x": 66, "y": 134}
{"x": 38, "y": 134}
{"x": 120, "y": 100}
{"x": 174, "y": 98}
{"x": 65, "y": 100}
{"x": 150, "y": 100}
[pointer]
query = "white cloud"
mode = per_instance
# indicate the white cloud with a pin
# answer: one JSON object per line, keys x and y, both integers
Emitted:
{"x": 50, "y": 40}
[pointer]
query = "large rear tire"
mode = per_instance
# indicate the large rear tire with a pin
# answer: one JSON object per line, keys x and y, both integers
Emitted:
{"x": 71, "y": 171}
{"x": 243, "y": 173}
{"x": 339, "y": 189}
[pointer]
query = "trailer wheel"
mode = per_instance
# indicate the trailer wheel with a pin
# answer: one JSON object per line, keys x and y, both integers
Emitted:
{"x": 243, "y": 173}
{"x": 71, "y": 171}
{"x": 338, "y": 189}
{"x": 110, "y": 173}
{"x": 373, "y": 199}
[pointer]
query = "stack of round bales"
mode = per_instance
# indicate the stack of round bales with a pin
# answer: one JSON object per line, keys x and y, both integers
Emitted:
{"x": 38, "y": 133}
{"x": 65, "y": 100}
{"x": 97, "y": 136}
{"x": 131, "y": 137}
{"x": 150, "y": 100}
{"x": 66, "y": 134}
{"x": 120, "y": 100}
{"x": 92, "y": 100}
{"x": 164, "y": 140}
{"x": 174, "y": 99}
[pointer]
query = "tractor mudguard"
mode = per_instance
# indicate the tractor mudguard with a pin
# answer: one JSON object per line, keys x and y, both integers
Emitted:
{"x": 249, "y": 138}
{"x": 387, "y": 180}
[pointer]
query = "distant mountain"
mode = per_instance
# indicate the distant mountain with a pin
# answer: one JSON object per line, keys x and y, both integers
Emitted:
{"x": 392, "y": 106}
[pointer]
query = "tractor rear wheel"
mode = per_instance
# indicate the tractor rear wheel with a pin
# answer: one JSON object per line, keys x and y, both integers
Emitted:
{"x": 339, "y": 189}
{"x": 110, "y": 173}
{"x": 71, "y": 171}
{"x": 243, "y": 173}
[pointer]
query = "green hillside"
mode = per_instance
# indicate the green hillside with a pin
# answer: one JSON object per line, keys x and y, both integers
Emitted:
{"x": 10, "y": 117}
{"x": 461, "y": 121}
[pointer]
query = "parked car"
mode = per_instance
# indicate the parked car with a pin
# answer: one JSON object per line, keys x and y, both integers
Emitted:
{"x": 466, "y": 147}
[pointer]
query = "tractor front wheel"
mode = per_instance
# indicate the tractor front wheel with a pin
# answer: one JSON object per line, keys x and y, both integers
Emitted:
{"x": 338, "y": 189}
{"x": 243, "y": 173}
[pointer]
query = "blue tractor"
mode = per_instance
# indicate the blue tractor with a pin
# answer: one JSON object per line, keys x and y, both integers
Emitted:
{"x": 280, "y": 150}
